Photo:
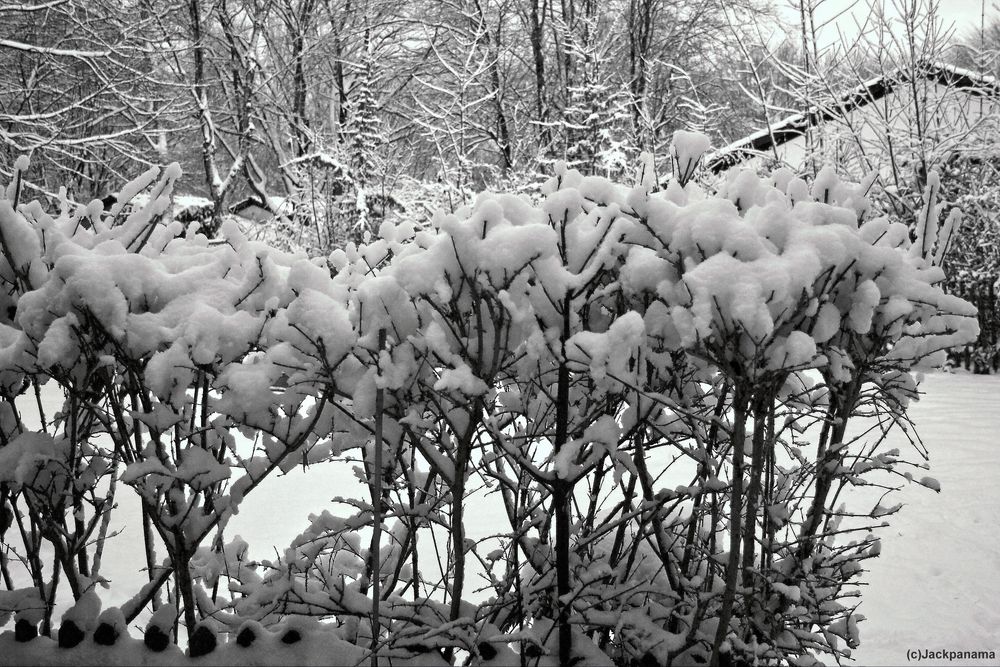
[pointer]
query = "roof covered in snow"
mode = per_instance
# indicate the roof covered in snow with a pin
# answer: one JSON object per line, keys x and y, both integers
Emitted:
{"x": 870, "y": 91}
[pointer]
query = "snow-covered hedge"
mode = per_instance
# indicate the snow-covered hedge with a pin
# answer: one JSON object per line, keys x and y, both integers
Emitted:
{"x": 578, "y": 357}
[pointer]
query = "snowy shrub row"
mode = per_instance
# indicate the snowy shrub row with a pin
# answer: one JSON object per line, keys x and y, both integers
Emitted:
{"x": 570, "y": 357}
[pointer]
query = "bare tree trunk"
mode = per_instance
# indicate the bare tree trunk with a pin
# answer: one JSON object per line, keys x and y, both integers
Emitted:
{"x": 503, "y": 131}
{"x": 561, "y": 494}
{"x": 538, "y": 59}
{"x": 338, "y": 72}
{"x": 493, "y": 45}
{"x": 218, "y": 186}
{"x": 740, "y": 400}
{"x": 376, "y": 481}
{"x": 185, "y": 585}
{"x": 761, "y": 409}
{"x": 204, "y": 119}
{"x": 300, "y": 120}
{"x": 828, "y": 450}
{"x": 640, "y": 24}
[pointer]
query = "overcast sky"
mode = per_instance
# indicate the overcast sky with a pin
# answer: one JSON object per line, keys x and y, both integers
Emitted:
{"x": 963, "y": 15}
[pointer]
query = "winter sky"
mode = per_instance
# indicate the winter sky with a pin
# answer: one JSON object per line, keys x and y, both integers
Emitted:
{"x": 846, "y": 16}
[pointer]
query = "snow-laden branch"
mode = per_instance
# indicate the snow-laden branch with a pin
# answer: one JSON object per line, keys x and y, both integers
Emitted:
{"x": 53, "y": 51}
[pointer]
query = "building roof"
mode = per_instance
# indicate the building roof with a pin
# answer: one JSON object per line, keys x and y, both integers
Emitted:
{"x": 253, "y": 205}
{"x": 871, "y": 91}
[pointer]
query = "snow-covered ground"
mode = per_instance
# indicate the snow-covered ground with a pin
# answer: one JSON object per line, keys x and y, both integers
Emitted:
{"x": 935, "y": 587}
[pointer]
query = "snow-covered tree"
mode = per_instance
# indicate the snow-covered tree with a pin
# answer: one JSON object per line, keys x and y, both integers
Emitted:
{"x": 595, "y": 116}
{"x": 365, "y": 139}
{"x": 79, "y": 94}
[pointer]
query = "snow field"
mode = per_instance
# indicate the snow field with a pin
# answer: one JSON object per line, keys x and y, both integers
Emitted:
{"x": 935, "y": 585}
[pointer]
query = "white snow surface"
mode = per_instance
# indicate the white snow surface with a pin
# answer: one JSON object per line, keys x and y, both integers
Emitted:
{"x": 934, "y": 587}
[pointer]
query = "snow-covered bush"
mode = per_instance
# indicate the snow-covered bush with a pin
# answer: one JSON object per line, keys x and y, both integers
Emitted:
{"x": 555, "y": 352}
{"x": 165, "y": 348}
{"x": 656, "y": 388}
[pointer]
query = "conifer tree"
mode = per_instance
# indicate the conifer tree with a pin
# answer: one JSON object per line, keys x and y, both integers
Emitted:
{"x": 594, "y": 112}
{"x": 364, "y": 139}
{"x": 365, "y": 135}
